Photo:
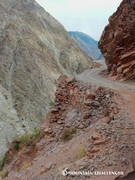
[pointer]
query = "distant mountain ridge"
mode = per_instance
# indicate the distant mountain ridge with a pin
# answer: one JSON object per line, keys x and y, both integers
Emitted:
{"x": 87, "y": 43}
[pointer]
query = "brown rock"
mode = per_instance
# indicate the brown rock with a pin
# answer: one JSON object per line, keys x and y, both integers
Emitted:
{"x": 53, "y": 110}
{"x": 114, "y": 110}
{"x": 71, "y": 92}
{"x": 62, "y": 98}
{"x": 96, "y": 136}
{"x": 101, "y": 141}
{"x": 106, "y": 119}
{"x": 133, "y": 163}
{"x": 89, "y": 96}
{"x": 94, "y": 150}
{"x": 118, "y": 41}
{"x": 49, "y": 165}
{"x": 106, "y": 112}
{"x": 48, "y": 130}
{"x": 100, "y": 88}
{"x": 87, "y": 115}
{"x": 69, "y": 80}
{"x": 88, "y": 102}
{"x": 98, "y": 142}
{"x": 81, "y": 126}
{"x": 43, "y": 171}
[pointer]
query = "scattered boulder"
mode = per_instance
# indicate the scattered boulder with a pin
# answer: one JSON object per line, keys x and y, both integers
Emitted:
{"x": 96, "y": 136}
{"x": 49, "y": 165}
{"x": 106, "y": 119}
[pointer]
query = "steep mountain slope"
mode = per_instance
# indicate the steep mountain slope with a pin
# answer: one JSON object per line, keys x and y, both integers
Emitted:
{"x": 34, "y": 50}
{"x": 88, "y": 44}
{"x": 117, "y": 42}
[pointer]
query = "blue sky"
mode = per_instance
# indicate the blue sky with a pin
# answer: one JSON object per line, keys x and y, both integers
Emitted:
{"x": 88, "y": 16}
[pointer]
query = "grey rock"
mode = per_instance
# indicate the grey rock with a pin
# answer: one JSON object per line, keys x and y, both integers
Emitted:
{"x": 49, "y": 165}
{"x": 109, "y": 163}
{"x": 72, "y": 117}
{"x": 96, "y": 103}
{"x": 36, "y": 177}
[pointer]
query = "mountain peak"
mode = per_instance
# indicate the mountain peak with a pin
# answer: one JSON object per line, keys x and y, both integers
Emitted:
{"x": 88, "y": 44}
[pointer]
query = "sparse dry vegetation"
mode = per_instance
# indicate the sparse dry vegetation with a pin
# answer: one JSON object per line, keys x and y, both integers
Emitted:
{"x": 3, "y": 173}
{"x": 81, "y": 152}
{"x": 29, "y": 139}
{"x": 25, "y": 165}
{"x": 2, "y": 162}
{"x": 68, "y": 133}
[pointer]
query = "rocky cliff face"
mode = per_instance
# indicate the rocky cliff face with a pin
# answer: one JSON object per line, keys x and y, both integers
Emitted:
{"x": 34, "y": 50}
{"x": 117, "y": 42}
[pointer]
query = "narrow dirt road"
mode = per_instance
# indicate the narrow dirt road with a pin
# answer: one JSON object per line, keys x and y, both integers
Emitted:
{"x": 126, "y": 90}
{"x": 94, "y": 77}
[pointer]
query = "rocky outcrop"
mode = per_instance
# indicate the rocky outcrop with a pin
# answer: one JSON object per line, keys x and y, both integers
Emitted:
{"x": 117, "y": 42}
{"x": 88, "y": 44}
{"x": 34, "y": 50}
{"x": 77, "y": 104}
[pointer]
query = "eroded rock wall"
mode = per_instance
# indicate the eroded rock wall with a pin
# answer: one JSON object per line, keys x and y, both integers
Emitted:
{"x": 117, "y": 42}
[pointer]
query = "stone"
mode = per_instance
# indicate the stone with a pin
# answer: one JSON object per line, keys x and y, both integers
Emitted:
{"x": 70, "y": 79}
{"x": 87, "y": 115}
{"x": 108, "y": 95}
{"x": 53, "y": 110}
{"x": 89, "y": 96}
{"x": 91, "y": 161}
{"x": 36, "y": 177}
{"x": 81, "y": 126}
{"x": 94, "y": 150}
{"x": 49, "y": 165}
{"x": 114, "y": 111}
{"x": 48, "y": 130}
{"x": 106, "y": 119}
{"x": 88, "y": 102}
{"x": 71, "y": 117}
{"x": 100, "y": 88}
{"x": 133, "y": 163}
{"x": 43, "y": 171}
{"x": 95, "y": 103}
{"x": 60, "y": 122}
{"x": 109, "y": 163}
{"x": 101, "y": 141}
{"x": 96, "y": 136}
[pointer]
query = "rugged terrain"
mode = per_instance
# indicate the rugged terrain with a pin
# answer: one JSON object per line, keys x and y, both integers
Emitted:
{"x": 89, "y": 133}
{"x": 88, "y": 44}
{"x": 35, "y": 50}
{"x": 117, "y": 42}
{"x": 91, "y": 127}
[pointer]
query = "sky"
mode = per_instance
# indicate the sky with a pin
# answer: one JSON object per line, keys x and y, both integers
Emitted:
{"x": 88, "y": 16}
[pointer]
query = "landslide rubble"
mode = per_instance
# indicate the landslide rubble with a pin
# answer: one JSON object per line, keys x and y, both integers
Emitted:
{"x": 87, "y": 129}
